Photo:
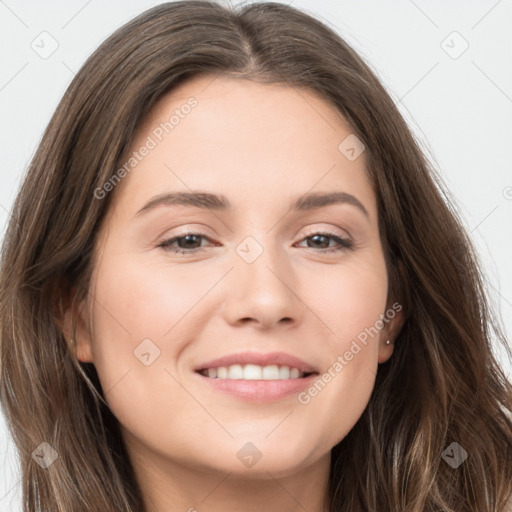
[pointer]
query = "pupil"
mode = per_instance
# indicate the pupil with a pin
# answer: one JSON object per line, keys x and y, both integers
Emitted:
{"x": 188, "y": 238}
{"x": 319, "y": 236}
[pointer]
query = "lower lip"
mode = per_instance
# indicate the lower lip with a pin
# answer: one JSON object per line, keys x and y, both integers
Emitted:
{"x": 260, "y": 390}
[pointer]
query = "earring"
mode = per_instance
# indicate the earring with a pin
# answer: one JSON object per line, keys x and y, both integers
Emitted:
{"x": 72, "y": 342}
{"x": 388, "y": 342}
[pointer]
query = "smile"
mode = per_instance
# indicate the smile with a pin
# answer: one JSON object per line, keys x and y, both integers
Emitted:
{"x": 253, "y": 372}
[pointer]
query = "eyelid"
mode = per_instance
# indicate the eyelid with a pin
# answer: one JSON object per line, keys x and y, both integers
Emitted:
{"x": 204, "y": 232}
{"x": 187, "y": 229}
{"x": 330, "y": 231}
{"x": 342, "y": 243}
{"x": 166, "y": 241}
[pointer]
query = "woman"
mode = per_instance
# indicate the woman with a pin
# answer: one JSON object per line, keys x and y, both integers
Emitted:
{"x": 231, "y": 281}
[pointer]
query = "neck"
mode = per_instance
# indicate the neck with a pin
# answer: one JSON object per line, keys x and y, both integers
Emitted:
{"x": 171, "y": 487}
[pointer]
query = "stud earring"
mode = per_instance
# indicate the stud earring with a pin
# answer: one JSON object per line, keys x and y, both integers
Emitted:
{"x": 388, "y": 342}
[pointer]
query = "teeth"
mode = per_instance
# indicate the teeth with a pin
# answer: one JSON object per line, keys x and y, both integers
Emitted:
{"x": 253, "y": 372}
{"x": 294, "y": 373}
{"x": 235, "y": 371}
{"x": 284, "y": 372}
{"x": 270, "y": 372}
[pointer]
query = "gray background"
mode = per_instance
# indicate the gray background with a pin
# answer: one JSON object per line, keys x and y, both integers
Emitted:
{"x": 458, "y": 103}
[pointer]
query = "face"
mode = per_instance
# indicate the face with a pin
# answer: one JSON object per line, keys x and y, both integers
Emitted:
{"x": 242, "y": 285}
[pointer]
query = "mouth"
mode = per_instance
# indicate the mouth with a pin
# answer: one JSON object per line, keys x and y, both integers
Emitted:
{"x": 256, "y": 377}
{"x": 254, "y": 372}
{"x": 252, "y": 365}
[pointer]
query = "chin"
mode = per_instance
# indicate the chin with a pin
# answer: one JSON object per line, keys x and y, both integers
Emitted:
{"x": 258, "y": 457}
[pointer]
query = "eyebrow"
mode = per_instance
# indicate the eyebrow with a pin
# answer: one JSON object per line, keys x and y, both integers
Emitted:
{"x": 207, "y": 201}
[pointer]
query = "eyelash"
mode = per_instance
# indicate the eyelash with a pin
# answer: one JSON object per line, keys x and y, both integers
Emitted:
{"x": 344, "y": 244}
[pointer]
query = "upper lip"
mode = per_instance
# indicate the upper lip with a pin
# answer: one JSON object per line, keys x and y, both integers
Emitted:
{"x": 271, "y": 358}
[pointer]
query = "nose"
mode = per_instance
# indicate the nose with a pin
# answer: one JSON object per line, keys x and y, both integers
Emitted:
{"x": 263, "y": 293}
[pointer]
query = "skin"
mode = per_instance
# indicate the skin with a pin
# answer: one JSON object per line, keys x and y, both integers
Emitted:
{"x": 261, "y": 146}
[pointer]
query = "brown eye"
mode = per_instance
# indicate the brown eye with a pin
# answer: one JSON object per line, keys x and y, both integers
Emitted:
{"x": 186, "y": 244}
{"x": 321, "y": 242}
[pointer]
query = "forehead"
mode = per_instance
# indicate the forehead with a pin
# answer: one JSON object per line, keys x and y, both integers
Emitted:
{"x": 243, "y": 139}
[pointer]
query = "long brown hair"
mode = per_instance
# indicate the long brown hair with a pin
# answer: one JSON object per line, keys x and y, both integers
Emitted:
{"x": 443, "y": 383}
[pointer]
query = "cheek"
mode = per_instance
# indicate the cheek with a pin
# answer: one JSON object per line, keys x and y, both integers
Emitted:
{"x": 136, "y": 301}
{"x": 133, "y": 310}
{"x": 350, "y": 304}
{"x": 140, "y": 318}
{"x": 348, "y": 299}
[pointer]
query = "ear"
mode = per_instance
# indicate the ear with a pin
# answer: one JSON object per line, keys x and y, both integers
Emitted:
{"x": 390, "y": 331}
{"x": 74, "y": 323}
